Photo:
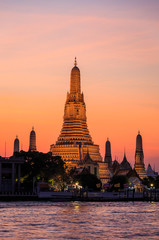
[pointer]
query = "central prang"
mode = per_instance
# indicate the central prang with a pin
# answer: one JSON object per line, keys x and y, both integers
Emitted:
{"x": 74, "y": 142}
{"x": 75, "y": 122}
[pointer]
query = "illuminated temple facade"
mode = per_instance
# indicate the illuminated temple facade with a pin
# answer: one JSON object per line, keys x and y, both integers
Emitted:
{"x": 74, "y": 141}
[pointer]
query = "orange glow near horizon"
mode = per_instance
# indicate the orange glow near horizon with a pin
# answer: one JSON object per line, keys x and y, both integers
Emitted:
{"x": 117, "y": 52}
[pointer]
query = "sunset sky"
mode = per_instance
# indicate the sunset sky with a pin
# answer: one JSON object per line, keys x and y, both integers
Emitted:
{"x": 117, "y": 48}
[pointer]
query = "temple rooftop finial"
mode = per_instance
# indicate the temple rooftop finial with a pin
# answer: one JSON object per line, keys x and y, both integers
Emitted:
{"x": 75, "y": 63}
{"x": 124, "y": 152}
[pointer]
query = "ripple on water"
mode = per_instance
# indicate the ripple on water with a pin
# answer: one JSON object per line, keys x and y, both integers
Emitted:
{"x": 79, "y": 220}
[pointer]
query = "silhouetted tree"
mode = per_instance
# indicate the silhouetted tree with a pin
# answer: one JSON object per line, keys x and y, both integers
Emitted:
{"x": 148, "y": 181}
{"x": 118, "y": 180}
{"x": 41, "y": 165}
{"x": 88, "y": 181}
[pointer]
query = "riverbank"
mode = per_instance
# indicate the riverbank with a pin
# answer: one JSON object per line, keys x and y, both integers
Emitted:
{"x": 82, "y": 196}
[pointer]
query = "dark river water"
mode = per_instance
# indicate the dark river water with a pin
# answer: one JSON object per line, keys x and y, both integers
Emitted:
{"x": 79, "y": 220}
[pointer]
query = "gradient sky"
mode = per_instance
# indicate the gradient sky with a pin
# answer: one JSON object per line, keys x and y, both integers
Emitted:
{"x": 117, "y": 48}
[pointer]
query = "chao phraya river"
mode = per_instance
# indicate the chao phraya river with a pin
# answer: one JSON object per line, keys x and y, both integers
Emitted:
{"x": 79, "y": 220}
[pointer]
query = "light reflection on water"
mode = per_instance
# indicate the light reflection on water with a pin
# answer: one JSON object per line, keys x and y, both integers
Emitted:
{"x": 79, "y": 220}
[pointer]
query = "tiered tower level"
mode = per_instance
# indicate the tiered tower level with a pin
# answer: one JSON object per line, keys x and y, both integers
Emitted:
{"x": 139, "y": 158}
{"x": 74, "y": 140}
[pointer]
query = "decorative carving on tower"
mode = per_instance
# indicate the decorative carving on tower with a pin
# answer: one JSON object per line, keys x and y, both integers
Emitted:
{"x": 139, "y": 158}
{"x": 32, "y": 143}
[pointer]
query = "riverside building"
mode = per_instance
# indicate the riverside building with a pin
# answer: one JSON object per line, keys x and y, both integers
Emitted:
{"x": 10, "y": 172}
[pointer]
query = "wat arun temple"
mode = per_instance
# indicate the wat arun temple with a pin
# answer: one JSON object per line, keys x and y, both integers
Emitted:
{"x": 75, "y": 144}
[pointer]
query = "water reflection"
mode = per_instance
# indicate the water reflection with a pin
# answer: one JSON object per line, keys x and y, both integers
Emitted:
{"x": 79, "y": 220}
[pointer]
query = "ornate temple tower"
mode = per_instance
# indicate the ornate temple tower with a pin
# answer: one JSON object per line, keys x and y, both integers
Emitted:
{"x": 74, "y": 140}
{"x": 32, "y": 144}
{"x": 108, "y": 156}
{"x": 139, "y": 158}
{"x": 74, "y": 128}
{"x": 16, "y": 145}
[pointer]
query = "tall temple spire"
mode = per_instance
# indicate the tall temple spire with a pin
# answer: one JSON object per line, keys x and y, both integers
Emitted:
{"x": 32, "y": 142}
{"x": 139, "y": 158}
{"x": 16, "y": 144}
{"x": 75, "y": 126}
{"x": 108, "y": 157}
{"x": 74, "y": 130}
{"x": 139, "y": 143}
{"x": 74, "y": 141}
